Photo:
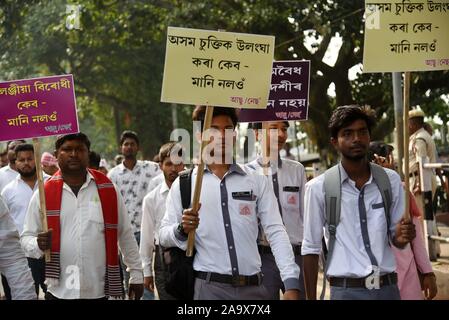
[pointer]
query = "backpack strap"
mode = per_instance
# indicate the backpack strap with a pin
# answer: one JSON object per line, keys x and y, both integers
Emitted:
{"x": 332, "y": 193}
{"x": 185, "y": 185}
{"x": 332, "y": 190}
{"x": 382, "y": 181}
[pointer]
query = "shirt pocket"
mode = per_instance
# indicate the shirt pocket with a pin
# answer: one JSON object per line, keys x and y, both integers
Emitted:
{"x": 379, "y": 219}
{"x": 244, "y": 203}
{"x": 290, "y": 197}
{"x": 95, "y": 216}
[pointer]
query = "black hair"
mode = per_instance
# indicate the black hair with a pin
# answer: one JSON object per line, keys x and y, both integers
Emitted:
{"x": 75, "y": 136}
{"x": 166, "y": 149}
{"x": 258, "y": 125}
{"x": 200, "y": 112}
{"x": 11, "y": 141}
{"x": 23, "y": 147}
{"x": 380, "y": 148}
{"x": 343, "y": 116}
{"x": 94, "y": 160}
{"x": 128, "y": 134}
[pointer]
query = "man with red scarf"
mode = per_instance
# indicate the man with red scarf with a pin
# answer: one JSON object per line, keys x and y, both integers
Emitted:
{"x": 87, "y": 223}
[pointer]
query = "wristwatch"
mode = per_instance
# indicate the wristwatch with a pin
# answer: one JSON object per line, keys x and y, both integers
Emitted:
{"x": 181, "y": 230}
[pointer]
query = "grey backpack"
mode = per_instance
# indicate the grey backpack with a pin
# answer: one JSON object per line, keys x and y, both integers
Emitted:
{"x": 332, "y": 190}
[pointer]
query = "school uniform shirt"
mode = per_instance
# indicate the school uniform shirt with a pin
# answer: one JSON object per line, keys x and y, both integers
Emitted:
{"x": 6, "y": 176}
{"x": 13, "y": 264}
{"x": 17, "y": 195}
{"x": 83, "y": 253}
{"x": 133, "y": 185}
{"x": 153, "y": 212}
{"x": 289, "y": 180}
{"x": 350, "y": 257}
{"x": 226, "y": 238}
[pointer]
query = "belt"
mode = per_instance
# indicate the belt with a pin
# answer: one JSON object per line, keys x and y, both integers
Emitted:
{"x": 413, "y": 174}
{"x": 385, "y": 280}
{"x": 267, "y": 250}
{"x": 236, "y": 281}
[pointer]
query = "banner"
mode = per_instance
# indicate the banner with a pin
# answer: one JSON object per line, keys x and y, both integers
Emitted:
{"x": 37, "y": 107}
{"x": 406, "y": 35}
{"x": 217, "y": 68}
{"x": 289, "y": 94}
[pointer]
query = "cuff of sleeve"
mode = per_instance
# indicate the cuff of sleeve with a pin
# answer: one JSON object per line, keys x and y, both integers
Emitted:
{"x": 291, "y": 284}
{"x": 179, "y": 235}
{"x": 147, "y": 272}
{"x": 135, "y": 277}
{"x": 310, "y": 249}
{"x": 37, "y": 251}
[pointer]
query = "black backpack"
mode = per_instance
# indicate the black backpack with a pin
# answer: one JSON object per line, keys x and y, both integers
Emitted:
{"x": 179, "y": 273}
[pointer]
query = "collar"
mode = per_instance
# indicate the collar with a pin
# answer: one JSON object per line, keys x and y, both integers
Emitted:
{"x": 164, "y": 187}
{"x": 344, "y": 175}
{"x": 124, "y": 169}
{"x": 260, "y": 158}
{"x": 234, "y": 168}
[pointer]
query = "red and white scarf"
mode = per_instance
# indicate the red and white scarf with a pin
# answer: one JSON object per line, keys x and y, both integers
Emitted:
{"x": 108, "y": 199}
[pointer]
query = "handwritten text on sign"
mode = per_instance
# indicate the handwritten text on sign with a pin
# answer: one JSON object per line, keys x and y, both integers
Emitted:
{"x": 37, "y": 107}
{"x": 217, "y": 68}
{"x": 289, "y": 94}
{"x": 406, "y": 35}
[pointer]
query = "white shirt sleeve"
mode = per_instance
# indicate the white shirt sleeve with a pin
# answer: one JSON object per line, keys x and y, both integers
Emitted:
{"x": 274, "y": 229}
{"x": 147, "y": 236}
{"x": 168, "y": 233}
{"x": 128, "y": 244}
{"x": 32, "y": 226}
{"x": 314, "y": 217}
{"x": 13, "y": 264}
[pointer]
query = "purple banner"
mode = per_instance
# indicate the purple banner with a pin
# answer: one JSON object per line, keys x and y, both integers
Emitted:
{"x": 289, "y": 94}
{"x": 37, "y": 107}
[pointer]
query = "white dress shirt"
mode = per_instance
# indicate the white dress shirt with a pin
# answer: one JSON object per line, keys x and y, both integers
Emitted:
{"x": 291, "y": 181}
{"x": 350, "y": 258}
{"x": 17, "y": 195}
{"x": 6, "y": 176}
{"x": 133, "y": 185}
{"x": 156, "y": 181}
{"x": 231, "y": 207}
{"x": 153, "y": 212}
{"x": 13, "y": 264}
{"x": 83, "y": 254}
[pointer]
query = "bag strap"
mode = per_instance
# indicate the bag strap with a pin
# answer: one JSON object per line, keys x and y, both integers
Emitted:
{"x": 383, "y": 183}
{"x": 332, "y": 190}
{"x": 185, "y": 185}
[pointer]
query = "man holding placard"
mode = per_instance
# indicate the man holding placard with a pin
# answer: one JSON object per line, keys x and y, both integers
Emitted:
{"x": 227, "y": 262}
{"x": 88, "y": 222}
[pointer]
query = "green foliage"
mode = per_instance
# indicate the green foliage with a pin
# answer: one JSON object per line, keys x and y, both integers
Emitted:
{"x": 117, "y": 59}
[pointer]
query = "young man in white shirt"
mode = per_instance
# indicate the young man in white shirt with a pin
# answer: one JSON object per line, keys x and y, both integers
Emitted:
{"x": 362, "y": 265}
{"x": 13, "y": 263}
{"x": 227, "y": 263}
{"x": 88, "y": 223}
{"x": 287, "y": 180}
{"x": 153, "y": 212}
{"x": 17, "y": 195}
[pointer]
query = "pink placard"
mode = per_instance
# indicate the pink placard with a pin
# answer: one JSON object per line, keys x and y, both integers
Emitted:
{"x": 37, "y": 107}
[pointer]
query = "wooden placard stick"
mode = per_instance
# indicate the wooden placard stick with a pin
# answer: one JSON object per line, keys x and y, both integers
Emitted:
{"x": 199, "y": 177}
{"x": 40, "y": 182}
{"x": 406, "y": 143}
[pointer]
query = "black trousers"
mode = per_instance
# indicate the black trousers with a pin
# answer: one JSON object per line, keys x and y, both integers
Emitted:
{"x": 6, "y": 288}
{"x": 37, "y": 267}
